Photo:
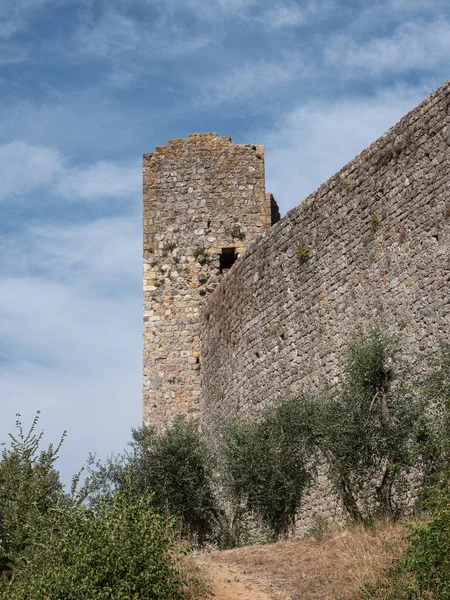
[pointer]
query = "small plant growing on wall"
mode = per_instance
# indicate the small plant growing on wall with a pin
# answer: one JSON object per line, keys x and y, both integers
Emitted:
{"x": 199, "y": 251}
{"x": 168, "y": 247}
{"x": 374, "y": 224}
{"x": 237, "y": 233}
{"x": 302, "y": 253}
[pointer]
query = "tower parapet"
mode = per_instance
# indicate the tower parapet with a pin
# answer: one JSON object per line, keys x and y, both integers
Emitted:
{"x": 204, "y": 204}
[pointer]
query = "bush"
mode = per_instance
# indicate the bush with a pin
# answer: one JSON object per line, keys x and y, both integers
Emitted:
{"x": 121, "y": 551}
{"x": 371, "y": 430}
{"x": 428, "y": 557}
{"x": 424, "y": 571}
{"x": 29, "y": 490}
{"x": 175, "y": 467}
{"x": 266, "y": 463}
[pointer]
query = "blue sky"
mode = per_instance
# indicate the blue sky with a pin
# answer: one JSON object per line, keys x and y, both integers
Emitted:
{"x": 87, "y": 86}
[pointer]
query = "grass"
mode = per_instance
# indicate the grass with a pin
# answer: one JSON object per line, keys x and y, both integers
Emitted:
{"x": 197, "y": 584}
{"x": 335, "y": 565}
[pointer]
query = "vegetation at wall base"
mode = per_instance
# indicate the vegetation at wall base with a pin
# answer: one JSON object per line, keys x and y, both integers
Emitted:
{"x": 114, "y": 538}
{"x": 266, "y": 468}
{"x": 372, "y": 428}
{"x": 175, "y": 466}
{"x": 424, "y": 571}
{"x": 368, "y": 432}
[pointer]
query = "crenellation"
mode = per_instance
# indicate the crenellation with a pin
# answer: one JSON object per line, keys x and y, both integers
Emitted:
{"x": 204, "y": 203}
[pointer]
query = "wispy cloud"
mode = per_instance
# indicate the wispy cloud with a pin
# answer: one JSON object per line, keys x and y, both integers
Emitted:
{"x": 285, "y": 14}
{"x": 215, "y": 9}
{"x": 132, "y": 48}
{"x": 15, "y": 15}
{"x": 70, "y": 331}
{"x": 411, "y": 46}
{"x": 314, "y": 141}
{"x": 282, "y": 15}
{"x": 252, "y": 79}
{"x": 101, "y": 180}
{"x": 26, "y": 167}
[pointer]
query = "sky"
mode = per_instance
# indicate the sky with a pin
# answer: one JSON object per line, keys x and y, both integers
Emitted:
{"x": 88, "y": 86}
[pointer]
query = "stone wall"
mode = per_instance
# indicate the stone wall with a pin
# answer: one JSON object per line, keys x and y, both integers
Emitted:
{"x": 204, "y": 203}
{"x": 373, "y": 241}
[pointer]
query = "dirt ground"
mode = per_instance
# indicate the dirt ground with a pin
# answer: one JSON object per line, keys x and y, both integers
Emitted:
{"x": 230, "y": 582}
{"x": 302, "y": 569}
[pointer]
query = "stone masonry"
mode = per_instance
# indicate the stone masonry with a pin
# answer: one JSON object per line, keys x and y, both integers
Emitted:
{"x": 373, "y": 242}
{"x": 204, "y": 203}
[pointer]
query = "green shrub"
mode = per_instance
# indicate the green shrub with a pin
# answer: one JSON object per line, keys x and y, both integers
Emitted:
{"x": 175, "y": 467}
{"x": 266, "y": 463}
{"x": 120, "y": 551}
{"x": 237, "y": 233}
{"x": 372, "y": 428}
{"x": 428, "y": 556}
{"x": 29, "y": 490}
{"x": 424, "y": 571}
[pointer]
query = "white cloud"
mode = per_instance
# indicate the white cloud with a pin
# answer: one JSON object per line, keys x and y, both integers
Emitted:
{"x": 24, "y": 167}
{"x": 316, "y": 140}
{"x": 268, "y": 14}
{"x": 15, "y": 13}
{"x": 252, "y": 79}
{"x": 70, "y": 329}
{"x": 412, "y": 6}
{"x": 264, "y": 13}
{"x": 214, "y": 9}
{"x": 412, "y": 46}
{"x": 283, "y": 15}
{"x": 132, "y": 48}
{"x": 103, "y": 179}
{"x": 113, "y": 34}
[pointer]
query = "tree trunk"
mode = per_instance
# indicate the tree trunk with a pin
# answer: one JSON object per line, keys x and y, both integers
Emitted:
{"x": 343, "y": 487}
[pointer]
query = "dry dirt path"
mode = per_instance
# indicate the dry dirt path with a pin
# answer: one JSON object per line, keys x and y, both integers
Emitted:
{"x": 229, "y": 582}
{"x": 336, "y": 566}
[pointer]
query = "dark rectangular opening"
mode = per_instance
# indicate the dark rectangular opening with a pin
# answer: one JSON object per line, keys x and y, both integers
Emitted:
{"x": 227, "y": 259}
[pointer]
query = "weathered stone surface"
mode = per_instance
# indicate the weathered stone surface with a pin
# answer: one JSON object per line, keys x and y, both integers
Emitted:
{"x": 201, "y": 194}
{"x": 373, "y": 241}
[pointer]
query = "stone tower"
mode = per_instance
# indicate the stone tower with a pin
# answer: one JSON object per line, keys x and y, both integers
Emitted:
{"x": 204, "y": 203}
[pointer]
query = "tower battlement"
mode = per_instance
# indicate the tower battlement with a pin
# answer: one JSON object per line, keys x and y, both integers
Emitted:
{"x": 204, "y": 204}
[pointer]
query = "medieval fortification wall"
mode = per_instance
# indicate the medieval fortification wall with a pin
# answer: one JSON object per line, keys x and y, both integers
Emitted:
{"x": 373, "y": 241}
